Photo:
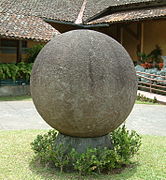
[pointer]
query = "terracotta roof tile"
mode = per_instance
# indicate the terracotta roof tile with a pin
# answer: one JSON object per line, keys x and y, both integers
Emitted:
{"x": 95, "y": 7}
{"x": 132, "y": 15}
{"x": 62, "y": 10}
{"x": 25, "y": 27}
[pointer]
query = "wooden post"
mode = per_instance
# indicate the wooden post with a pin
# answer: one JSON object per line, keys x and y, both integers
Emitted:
{"x": 142, "y": 37}
{"x": 138, "y": 37}
{"x": 117, "y": 32}
{"x": 19, "y": 51}
{"x": 140, "y": 34}
{"x": 120, "y": 33}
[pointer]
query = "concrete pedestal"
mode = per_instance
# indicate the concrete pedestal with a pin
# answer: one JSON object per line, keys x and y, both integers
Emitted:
{"x": 81, "y": 144}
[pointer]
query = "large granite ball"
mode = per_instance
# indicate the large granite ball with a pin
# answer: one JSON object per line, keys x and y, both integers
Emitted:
{"x": 83, "y": 83}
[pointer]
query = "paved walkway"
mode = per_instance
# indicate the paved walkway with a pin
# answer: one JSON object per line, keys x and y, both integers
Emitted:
{"x": 145, "y": 119}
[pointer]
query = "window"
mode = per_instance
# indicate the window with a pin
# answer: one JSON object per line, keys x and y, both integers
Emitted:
{"x": 10, "y": 46}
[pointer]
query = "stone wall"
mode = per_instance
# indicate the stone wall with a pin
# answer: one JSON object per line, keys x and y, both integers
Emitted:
{"x": 18, "y": 90}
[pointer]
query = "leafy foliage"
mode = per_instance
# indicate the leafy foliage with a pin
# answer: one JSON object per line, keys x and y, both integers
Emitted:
{"x": 8, "y": 71}
{"x": 156, "y": 54}
{"x": 144, "y": 57}
{"x": 33, "y": 52}
{"x": 125, "y": 145}
{"x": 94, "y": 160}
{"x": 153, "y": 56}
{"x": 24, "y": 70}
{"x": 16, "y": 71}
{"x": 43, "y": 143}
{"x": 145, "y": 99}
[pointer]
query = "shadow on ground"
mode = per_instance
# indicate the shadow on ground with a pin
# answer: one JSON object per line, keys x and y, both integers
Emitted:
{"x": 48, "y": 173}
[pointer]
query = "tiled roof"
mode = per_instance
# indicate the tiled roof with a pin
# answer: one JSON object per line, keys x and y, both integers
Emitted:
{"x": 132, "y": 15}
{"x": 62, "y": 10}
{"x": 95, "y": 7}
{"x": 25, "y": 27}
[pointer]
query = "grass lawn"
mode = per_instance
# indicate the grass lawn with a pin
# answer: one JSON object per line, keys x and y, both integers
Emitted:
{"x": 145, "y": 102}
{"x": 16, "y": 160}
{"x": 16, "y": 98}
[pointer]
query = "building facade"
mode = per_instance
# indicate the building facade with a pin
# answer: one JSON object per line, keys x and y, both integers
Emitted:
{"x": 138, "y": 25}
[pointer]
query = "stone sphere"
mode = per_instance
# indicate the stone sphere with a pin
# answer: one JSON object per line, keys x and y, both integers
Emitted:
{"x": 83, "y": 83}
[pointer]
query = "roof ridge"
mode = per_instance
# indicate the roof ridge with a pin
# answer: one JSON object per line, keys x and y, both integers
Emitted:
{"x": 79, "y": 19}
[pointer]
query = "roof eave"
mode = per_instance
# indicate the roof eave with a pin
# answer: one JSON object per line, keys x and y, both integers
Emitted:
{"x": 126, "y": 7}
{"x": 133, "y": 20}
{"x": 24, "y": 38}
{"x": 76, "y": 25}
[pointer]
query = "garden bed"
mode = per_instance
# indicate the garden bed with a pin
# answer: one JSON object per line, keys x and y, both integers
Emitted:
{"x": 14, "y": 79}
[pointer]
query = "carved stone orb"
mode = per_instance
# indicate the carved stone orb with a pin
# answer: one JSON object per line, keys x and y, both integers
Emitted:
{"x": 83, "y": 83}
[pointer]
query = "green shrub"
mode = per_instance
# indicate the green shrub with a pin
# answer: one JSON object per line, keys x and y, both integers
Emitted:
{"x": 94, "y": 160}
{"x": 43, "y": 143}
{"x": 24, "y": 70}
{"x": 153, "y": 57}
{"x": 14, "y": 71}
{"x": 145, "y": 99}
{"x": 8, "y": 71}
{"x": 125, "y": 145}
{"x": 33, "y": 52}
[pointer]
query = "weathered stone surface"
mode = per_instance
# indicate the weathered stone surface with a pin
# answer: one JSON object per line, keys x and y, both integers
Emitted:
{"x": 82, "y": 144}
{"x": 83, "y": 83}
